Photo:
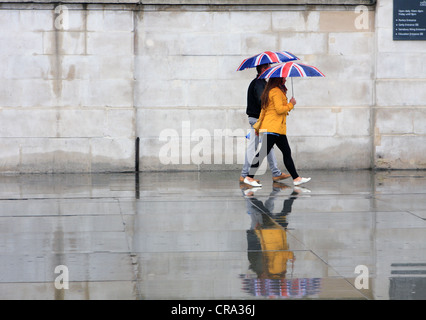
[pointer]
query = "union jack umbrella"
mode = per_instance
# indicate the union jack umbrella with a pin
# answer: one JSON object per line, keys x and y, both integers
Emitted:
{"x": 291, "y": 69}
{"x": 267, "y": 57}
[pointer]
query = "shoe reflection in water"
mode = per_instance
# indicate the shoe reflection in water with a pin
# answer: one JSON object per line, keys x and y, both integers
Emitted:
{"x": 268, "y": 251}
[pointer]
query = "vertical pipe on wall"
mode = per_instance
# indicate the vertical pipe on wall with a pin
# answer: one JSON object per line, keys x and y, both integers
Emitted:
{"x": 137, "y": 154}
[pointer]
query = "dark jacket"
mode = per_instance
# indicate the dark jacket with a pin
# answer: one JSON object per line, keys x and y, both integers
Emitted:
{"x": 254, "y": 93}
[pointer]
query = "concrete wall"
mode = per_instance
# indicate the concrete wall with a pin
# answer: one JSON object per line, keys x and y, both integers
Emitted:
{"x": 400, "y": 97}
{"x": 79, "y": 83}
{"x": 66, "y": 95}
{"x": 191, "y": 74}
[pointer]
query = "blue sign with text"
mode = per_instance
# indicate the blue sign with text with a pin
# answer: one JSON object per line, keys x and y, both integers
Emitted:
{"x": 409, "y": 20}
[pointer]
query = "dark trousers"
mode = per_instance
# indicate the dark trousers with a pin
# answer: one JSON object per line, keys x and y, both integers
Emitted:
{"x": 282, "y": 143}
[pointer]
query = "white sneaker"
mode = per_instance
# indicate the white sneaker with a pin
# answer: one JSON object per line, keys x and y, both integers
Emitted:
{"x": 303, "y": 180}
{"x": 252, "y": 183}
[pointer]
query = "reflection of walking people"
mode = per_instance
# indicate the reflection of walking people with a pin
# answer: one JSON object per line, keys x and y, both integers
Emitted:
{"x": 253, "y": 111}
{"x": 272, "y": 121}
{"x": 268, "y": 250}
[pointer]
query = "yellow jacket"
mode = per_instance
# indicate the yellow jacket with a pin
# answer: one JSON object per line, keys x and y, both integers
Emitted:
{"x": 275, "y": 249}
{"x": 275, "y": 113}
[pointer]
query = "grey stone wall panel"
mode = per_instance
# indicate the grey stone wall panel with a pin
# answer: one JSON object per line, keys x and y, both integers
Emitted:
{"x": 75, "y": 99}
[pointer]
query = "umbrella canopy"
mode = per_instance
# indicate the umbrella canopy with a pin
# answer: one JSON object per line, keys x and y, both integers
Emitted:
{"x": 291, "y": 69}
{"x": 267, "y": 57}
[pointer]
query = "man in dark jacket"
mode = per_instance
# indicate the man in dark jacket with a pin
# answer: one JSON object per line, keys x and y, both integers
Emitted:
{"x": 254, "y": 93}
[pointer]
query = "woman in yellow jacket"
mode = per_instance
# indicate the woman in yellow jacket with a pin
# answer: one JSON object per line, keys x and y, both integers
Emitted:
{"x": 272, "y": 122}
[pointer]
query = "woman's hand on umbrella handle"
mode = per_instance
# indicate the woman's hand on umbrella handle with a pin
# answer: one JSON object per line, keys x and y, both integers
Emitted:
{"x": 293, "y": 101}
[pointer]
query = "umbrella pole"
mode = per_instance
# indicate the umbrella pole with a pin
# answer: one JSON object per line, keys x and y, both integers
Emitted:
{"x": 292, "y": 89}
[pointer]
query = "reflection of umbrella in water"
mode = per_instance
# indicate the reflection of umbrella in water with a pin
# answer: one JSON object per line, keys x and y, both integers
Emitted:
{"x": 291, "y": 69}
{"x": 267, "y": 57}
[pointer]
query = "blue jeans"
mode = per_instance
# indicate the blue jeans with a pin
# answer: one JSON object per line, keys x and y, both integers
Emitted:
{"x": 251, "y": 152}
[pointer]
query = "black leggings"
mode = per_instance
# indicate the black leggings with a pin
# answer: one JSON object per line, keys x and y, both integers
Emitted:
{"x": 282, "y": 144}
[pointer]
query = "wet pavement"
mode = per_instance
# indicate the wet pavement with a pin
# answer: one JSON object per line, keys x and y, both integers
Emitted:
{"x": 192, "y": 235}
